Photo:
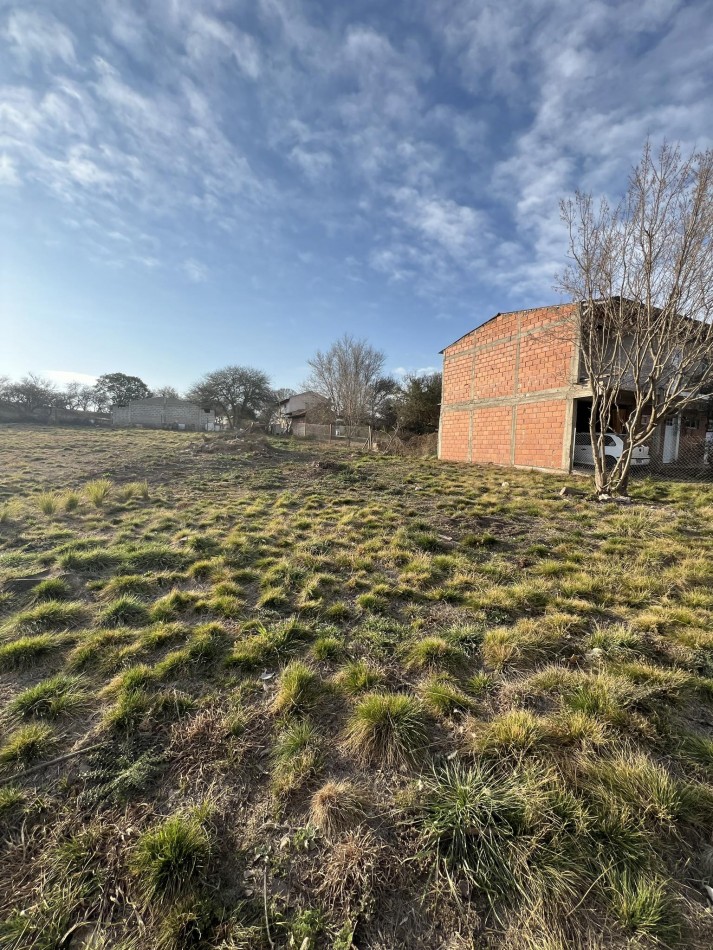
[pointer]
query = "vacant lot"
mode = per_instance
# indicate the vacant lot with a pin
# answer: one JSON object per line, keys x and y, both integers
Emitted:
{"x": 324, "y": 699}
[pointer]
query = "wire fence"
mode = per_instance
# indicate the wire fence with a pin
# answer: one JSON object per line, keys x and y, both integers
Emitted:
{"x": 680, "y": 448}
{"x": 331, "y": 432}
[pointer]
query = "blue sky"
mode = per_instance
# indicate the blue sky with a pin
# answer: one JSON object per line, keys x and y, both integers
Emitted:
{"x": 190, "y": 183}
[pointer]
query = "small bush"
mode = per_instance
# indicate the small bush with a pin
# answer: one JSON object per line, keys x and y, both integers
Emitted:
{"x": 358, "y": 677}
{"x": 172, "y": 857}
{"x": 98, "y": 490}
{"x": 388, "y": 729}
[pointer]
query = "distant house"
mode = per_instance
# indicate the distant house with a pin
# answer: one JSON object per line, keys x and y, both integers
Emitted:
{"x": 161, "y": 412}
{"x": 302, "y": 408}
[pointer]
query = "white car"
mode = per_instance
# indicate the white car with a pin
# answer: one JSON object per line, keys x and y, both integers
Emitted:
{"x": 613, "y": 448}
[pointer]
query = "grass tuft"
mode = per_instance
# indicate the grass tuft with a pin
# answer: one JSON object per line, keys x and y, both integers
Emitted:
{"x": 337, "y": 807}
{"x": 172, "y": 857}
{"x": 28, "y": 743}
{"x": 98, "y": 490}
{"x": 387, "y": 729}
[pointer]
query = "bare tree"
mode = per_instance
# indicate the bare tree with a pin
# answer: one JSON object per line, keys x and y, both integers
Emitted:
{"x": 642, "y": 274}
{"x": 238, "y": 392}
{"x": 31, "y": 392}
{"x": 78, "y": 396}
{"x": 348, "y": 375}
{"x": 168, "y": 392}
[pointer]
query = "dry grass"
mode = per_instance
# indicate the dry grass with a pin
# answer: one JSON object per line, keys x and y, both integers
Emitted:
{"x": 423, "y": 705}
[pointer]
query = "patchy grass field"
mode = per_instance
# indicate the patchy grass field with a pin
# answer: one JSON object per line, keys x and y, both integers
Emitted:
{"x": 323, "y": 699}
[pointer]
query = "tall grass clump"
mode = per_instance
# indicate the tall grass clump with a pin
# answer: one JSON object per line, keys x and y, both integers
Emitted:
{"x": 47, "y": 502}
{"x": 49, "y": 615}
{"x": 388, "y": 729}
{"x": 468, "y": 818}
{"x": 28, "y": 743}
{"x": 25, "y": 651}
{"x": 98, "y": 490}
{"x": 51, "y": 698}
{"x": 172, "y": 858}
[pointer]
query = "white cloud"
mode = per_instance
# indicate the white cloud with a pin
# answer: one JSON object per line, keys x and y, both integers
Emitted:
{"x": 209, "y": 37}
{"x": 33, "y": 36}
{"x": 8, "y": 172}
{"x": 63, "y": 376}
{"x": 195, "y": 270}
{"x": 402, "y": 371}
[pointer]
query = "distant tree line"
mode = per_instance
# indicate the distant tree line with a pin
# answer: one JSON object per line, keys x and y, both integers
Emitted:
{"x": 349, "y": 375}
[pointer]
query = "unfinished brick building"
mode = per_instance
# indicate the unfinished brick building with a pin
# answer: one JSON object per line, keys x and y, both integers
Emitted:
{"x": 509, "y": 388}
{"x": 513, "y": 394}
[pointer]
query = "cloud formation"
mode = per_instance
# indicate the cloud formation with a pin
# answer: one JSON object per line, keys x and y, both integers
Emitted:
{"x": 429, "y": 150}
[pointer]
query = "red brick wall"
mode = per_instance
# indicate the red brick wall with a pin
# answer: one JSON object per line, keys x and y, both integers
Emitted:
{"x": 454, "y": 433}
{"x": 539, "y": 433}
{"x": 491, "y": 434}
{"x": 491, "y": 410}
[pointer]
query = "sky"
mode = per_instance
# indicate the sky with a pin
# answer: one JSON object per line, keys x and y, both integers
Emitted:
{"x": 190, "y": 183}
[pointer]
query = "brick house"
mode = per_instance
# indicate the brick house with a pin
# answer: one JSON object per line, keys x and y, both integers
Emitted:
{"x": 513, "y": 394}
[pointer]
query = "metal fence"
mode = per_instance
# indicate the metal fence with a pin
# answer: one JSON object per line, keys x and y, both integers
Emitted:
{"x": 680, "y": 448}
{"x": 331, "y": 432}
